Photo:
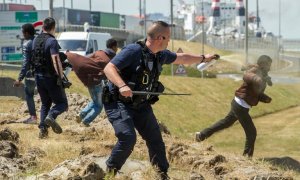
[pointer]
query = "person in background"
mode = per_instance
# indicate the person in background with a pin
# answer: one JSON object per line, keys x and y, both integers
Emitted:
{"x": 90, "y": 72}
{"x": 251, "y": 92}
{"x": 27, "y": 73}
{"x": 137, "y": 68}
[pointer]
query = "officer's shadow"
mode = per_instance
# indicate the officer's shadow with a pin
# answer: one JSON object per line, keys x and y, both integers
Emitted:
{"x": 284, "y": 162}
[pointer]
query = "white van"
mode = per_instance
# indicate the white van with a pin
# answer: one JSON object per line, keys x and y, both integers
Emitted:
{"x": 83, "y": 43}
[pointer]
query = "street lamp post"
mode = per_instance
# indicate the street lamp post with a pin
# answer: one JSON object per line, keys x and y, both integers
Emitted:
{"x": 203, "y": 33}
{"x": 279, "y": 24}
{"x": 145, "y": 19}
{"x": 224, "y": 31}
{"x": 41, "y": 4}
{"x": 140, "y": 11}
{"x": 257, "y": 14}
{"x": 50, "y": 8}
{"x": 194, "y": 17}
{"x": 246, "y": 32}
{"x": 90, "y": 5}
{"x": 64, "y": 14}
{"x": 140, "y": 8}
{"x": 279, "y": 32}
{"x": 4, "y": 6}
{"x": 172, "y": 42}
{"x": 202, "y": 25}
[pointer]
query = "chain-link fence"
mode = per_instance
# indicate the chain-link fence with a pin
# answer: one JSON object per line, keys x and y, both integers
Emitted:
{"x": 256, "y": 47}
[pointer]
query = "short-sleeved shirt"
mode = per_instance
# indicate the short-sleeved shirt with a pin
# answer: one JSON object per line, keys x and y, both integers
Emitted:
{"x": 129, "y": 58}
{"x": 51, "y": 48}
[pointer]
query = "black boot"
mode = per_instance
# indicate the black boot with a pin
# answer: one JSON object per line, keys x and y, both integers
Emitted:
{"x": 43, "y": 133}
{"x": 53, "y": 124}
{"x": 199, "y": 137}
{"x": 164, "y": 176}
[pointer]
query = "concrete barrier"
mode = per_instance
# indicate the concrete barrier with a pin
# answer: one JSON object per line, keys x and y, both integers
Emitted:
{"x": 7, "y": 89}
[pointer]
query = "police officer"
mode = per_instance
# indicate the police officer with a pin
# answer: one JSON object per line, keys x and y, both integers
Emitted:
{"x": 48, "y": 75}
{"x": 27, "y": 72}
{"x": 137, "y": 68}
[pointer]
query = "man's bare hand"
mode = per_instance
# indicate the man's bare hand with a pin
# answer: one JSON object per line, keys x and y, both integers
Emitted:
{"x": 125, "y": 91}
{"x": 209, "y": 57}
{"x": 17, "y": 83}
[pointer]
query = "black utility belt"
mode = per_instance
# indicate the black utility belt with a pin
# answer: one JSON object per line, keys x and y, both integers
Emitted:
{"x": 133, "y": 101}
{"x": 30, "y": 78}
{"x": 46, "y": 75}
{"x": 108, "y": 97}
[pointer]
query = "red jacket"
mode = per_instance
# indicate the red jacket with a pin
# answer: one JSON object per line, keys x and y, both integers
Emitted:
{"x": 253, "y": 87}
{"x": 89, "y": 69}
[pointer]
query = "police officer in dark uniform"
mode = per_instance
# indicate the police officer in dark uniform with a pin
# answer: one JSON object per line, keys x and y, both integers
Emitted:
{"x": 137, "y": 68}
{"x": 49, "y": 75}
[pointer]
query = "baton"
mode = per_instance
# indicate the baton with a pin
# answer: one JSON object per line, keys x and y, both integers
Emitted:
{"x": 143, "y": 93}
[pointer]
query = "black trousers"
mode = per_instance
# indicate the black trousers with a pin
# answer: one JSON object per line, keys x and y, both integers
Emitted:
{"x": 125, "y": 120}
{"x": 240, "y": 113}
{"x": 50, "y": 93}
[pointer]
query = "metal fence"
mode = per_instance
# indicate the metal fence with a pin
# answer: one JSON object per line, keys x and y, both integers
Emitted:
{"x": 291, "y": 45}
{"x": 256, "y": 47}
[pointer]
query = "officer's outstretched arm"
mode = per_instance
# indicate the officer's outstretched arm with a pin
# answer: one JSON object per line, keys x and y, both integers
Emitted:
{"x": 57, "y": 65}
{"x": 111, "y": 72}
{"x": 185, "y": 58}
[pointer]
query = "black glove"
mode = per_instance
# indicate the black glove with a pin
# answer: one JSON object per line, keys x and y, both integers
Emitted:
{"x": 62, "y": 56}
{"x": 216, "y": 56}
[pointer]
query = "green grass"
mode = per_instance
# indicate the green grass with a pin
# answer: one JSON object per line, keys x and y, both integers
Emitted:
{"x": 210, "y": 101}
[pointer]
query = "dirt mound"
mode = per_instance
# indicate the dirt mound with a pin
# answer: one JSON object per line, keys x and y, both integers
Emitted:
{"x": 9, "y": 135}
{"x": 203, "y": 161}
{"x": 12, "y": 162}
{"x": 92, "y": 167}
{"x": 76, "y": 103}
{"x": 8, "y": 149}
{"x": 284, "y": 162}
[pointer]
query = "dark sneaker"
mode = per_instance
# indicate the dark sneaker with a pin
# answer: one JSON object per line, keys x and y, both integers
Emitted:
{"x": 43, "y": 133}
{"x": 31, "y": 120}
{"x": 78, "y": 119}
{"x": 53, "y": 124}
{"x": 85, "y": 124}
{"x": 199, "y": 137}
{"x": 164, "y": 176}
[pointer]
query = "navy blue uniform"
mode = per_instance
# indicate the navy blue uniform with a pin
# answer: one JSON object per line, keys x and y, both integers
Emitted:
{"x": 46, "y": 81}
{"x": 125, "y": 118}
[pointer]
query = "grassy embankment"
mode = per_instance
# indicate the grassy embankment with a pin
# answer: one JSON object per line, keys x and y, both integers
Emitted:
{"x": 210, "y": 101}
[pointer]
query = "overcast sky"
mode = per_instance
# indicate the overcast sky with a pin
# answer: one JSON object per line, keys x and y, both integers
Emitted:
{"x": 269, "y": 10}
